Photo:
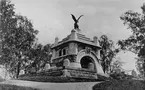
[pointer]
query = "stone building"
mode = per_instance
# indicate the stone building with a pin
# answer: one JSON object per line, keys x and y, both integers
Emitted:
{"x": 78, "y": 55}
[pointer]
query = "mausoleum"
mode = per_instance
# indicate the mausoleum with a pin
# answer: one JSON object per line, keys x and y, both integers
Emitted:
{"x": 75, "y": 56}
{"x": 78, "y": 54}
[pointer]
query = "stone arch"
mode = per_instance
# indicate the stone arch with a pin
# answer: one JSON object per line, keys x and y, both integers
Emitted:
{"x": 85, "y": 61}
{"x": 97, "y": 66}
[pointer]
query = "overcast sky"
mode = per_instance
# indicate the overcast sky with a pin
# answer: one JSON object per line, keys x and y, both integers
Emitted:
{"x": 52, "y": 18}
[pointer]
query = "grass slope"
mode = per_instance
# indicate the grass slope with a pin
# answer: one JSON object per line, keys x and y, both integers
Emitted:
{"x": 121, "y": 85}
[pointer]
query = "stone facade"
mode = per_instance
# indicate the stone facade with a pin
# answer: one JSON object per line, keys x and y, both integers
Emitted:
{"x": 77, "y": 51}
{"x": 76, "y": 56}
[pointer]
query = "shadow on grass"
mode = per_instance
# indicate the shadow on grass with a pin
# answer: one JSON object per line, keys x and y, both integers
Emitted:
{"x": 121, "y": 85}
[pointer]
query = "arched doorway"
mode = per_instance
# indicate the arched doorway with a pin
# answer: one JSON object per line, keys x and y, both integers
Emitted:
{"x": 81, "y": 60}
{"x": 86, "y": 61}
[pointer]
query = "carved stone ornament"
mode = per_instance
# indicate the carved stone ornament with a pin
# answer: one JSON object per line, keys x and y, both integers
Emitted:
{"x": 66, "y": 63}
{"x": 88, "y": 50}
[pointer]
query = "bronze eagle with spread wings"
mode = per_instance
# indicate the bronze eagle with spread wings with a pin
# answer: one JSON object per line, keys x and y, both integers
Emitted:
{"x": 76, "y": 26}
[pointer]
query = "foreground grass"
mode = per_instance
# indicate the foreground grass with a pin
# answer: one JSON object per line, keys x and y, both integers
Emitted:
{"x": 14, "y": 87}
{"x": 121, "y": 85}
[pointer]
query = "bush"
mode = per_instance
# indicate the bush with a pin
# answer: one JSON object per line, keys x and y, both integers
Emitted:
{"x": 121, "y": 85}
{"x": 120, "y": 76}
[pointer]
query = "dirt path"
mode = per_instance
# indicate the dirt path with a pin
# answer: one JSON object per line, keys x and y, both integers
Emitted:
{"x": 53, "y": 86}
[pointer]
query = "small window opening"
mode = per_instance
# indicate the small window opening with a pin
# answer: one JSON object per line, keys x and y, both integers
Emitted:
{"x": 64, "y": 51}
{"x": 59, "y": 52}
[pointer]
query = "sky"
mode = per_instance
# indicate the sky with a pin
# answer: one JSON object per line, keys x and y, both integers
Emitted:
{"x": 52, "y": 18}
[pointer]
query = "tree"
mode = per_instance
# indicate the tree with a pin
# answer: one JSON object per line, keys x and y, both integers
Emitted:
{"x": 6, "y": 18}
{"x": 136, "y": 42}
{"x": 39, "y": 56}
{"x": 140, "y": 65}
{"x": 116, "y": 65}
{"x": 108, "y": 52}
{"x": 17, "y": 38}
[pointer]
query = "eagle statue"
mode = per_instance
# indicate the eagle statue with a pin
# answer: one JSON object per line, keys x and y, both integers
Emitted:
{"x": 76, "y": 26}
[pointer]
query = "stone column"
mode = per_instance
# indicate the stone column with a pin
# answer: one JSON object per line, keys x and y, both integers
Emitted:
{"x": 95, "y": 39}
{"x": 56, "y": 40}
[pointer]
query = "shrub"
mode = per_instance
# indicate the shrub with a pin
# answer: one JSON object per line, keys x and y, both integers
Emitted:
{"x": 120, "y": 76}
{"x": 120, "y": 85}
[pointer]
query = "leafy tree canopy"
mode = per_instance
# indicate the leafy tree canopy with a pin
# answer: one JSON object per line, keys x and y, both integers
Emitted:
{"x": 17, "y": 37}
{"x": 108, "y": 52}
{"x": 136, "y": 23}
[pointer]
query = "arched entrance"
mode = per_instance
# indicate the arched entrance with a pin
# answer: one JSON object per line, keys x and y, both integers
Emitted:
{"x": 83, "y": 59}
{"x": 87, "y": 62}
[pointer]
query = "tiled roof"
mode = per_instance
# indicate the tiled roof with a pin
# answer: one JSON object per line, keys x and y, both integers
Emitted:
{"x": 78, "y": 38}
